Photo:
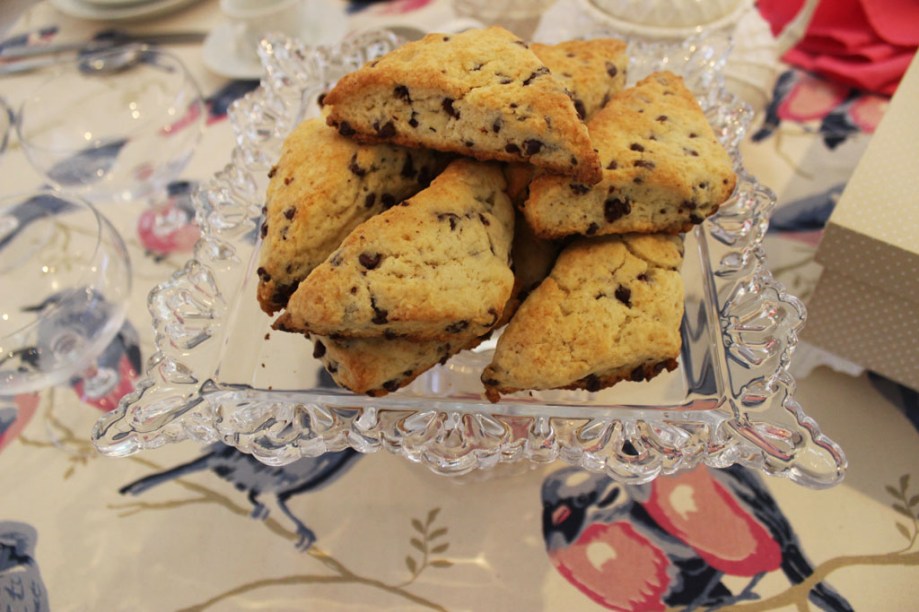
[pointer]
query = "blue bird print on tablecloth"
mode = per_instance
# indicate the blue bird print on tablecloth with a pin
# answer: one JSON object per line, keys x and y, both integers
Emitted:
{"x": 669, "y": 543}
{"x": 255, "y": 479}
{"x": 806, "y": 214}
{"x": 21, "y": 586}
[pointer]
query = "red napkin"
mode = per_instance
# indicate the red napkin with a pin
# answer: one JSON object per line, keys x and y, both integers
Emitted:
{"x": 867, "y": 44}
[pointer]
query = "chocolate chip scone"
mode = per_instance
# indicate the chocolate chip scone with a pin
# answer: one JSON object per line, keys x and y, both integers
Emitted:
{"x": 314, "y": 201}
{"x": 663, "y": 168}
{"x": 481, "y": 93}
{"x": 610, "y": 310}
{"x": 378, "y": 366}
{"x": 592, "y": 70}
{"x": 435, "y": 267}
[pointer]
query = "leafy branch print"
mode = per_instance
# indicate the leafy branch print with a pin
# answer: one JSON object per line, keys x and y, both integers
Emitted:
{"x": 907, "y": 505}
{"x": 428, "y": 541}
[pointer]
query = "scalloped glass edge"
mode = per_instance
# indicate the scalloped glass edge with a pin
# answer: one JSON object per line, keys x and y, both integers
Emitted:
{"x": 756, "y": 423}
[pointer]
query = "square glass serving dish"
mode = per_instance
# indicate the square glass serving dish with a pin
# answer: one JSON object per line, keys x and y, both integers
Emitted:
{"x": 220, "y": 373}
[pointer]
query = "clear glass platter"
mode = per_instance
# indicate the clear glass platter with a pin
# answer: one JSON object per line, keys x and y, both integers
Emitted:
{"x": 220, "y": 373}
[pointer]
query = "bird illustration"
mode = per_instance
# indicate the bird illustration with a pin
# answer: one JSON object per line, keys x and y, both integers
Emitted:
{"x": 717, "y": 522}
{"x": 114, "y": 373}
{"x": 603, "y": 541}
{"x": 15, "y": 413}
{"x": 171, "y": 227}
{"x": 21, "y": 586}
{"x": 806, "y": 214}
{"x": 771, "y": 119}
{"x": 255, "y": 478}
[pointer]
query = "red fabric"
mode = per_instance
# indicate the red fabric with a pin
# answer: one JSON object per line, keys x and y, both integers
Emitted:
{"x": 866, "y": 44}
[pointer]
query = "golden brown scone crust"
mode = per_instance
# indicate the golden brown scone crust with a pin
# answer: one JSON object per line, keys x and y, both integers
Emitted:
{"x": 610, "y": 310}
{"x": 592, "y": 70}
{"x": 435, "y": 267}
{"x": 664, "y": 170}
{"x": 481, "y": 93}
{"x": 314, "y": 200}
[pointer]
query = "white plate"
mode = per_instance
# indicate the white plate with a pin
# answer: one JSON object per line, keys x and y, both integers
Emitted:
{"x": 84, "y": 10}
{"x": 224, "y": 56}
{"x": 105, "y": 4}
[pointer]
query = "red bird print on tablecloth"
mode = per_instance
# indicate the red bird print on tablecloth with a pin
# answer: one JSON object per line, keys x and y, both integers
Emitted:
{"x": 669, "y": 543}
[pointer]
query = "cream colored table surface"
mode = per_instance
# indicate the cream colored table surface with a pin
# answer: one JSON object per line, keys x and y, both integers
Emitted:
{"x": 390, "y": 534}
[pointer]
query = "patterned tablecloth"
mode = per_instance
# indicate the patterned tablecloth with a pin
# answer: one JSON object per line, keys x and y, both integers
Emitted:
{"x": 185, "y": 527}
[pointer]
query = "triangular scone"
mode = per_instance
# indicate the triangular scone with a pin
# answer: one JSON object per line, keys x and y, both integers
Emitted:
{"x": 664, "y": 170}
{"x": 377, "y": 366}
{"x": 481, "y": 93}
{"x": 314, "y": 200}
{"x": 610, "y": 310}
{"x": 434, "y": 267}
{"x": 592, "y": 70}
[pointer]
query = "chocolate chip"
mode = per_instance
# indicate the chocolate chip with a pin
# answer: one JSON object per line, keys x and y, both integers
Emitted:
{"x": 355, "y": 168}
{"x": 661, "y": 118}
{"x": 535, "y": 74}
{"x": 642, "y": 277}
{"x": 370, "y": 200}
{"x": 694, "y": 218}
{"x": 612, "y": 165}
{"x": 336, "y": 259}
{"x": 345, "y": 129}
{"x": 370, "y": 260}
{"x": 614, "y": 208}
{"x": 391, "y": 385}
{"x": 288, "y": 180}
{"x": 451, "y": 217}
{"x": 401, "y": 92}
{"x": 579, "y": 107}
{"x": 624, "y": 295}
{"x": 468, "y": 144}
{"x": 691, "y": 152}
{"x": 532, "y": 146}
{"x": 388, "y": 200}
{"x": 321, "y": 100}
{"x": 379, "y": 315}
{"x": 413, "y": 121}
{"x": 638, "y": 374}
{"x": 484, "y": 220}
{"x": 332, "y": 367}
{"x": 644, "y": 163}
{"x": 578, "y": 188}
{"x": 447, "y": 105}
{"x": 592, "y": 229}
{"x": 318, "y": 350}
{"x": 636, "y": 147}
{"x": 496, "y": 126}
{"x": 490, "y": 382}
{"x": 263, "y": 274}
{"x": 689, "y": 205}
{"x": 693, "y": 135}
{"x": 504, "y": 80}
{"x": 456, "y": 327}
{"x": 512, "y": 148}
{"x": 387, "y": 130}
{"x": 592, "y": 383}
{"x": 272, "y": 172}
{"x": 353, "y": 290}
{"x": 390, "y": 334}
{"x": 611, "y": 69}
{"x": 264, "y": 230}
{"x": 289, "y": 213}
{"x": 638, "y": 180}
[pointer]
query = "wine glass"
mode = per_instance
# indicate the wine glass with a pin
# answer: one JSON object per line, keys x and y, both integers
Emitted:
{"x": 114, "y": 126}
{"x": 66, "y": 278}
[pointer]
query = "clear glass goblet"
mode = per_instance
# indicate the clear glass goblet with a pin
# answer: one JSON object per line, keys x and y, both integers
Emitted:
{"x": 66, "y": 278}
{"x": 117, "y": 125}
